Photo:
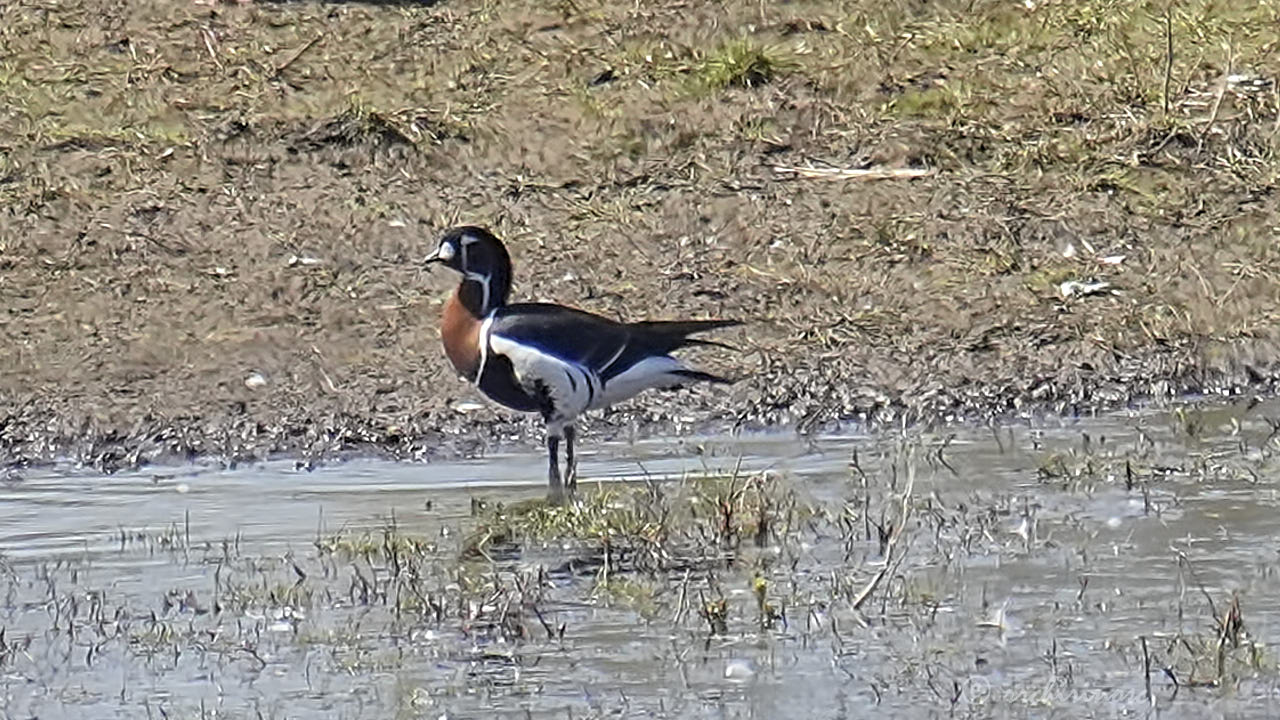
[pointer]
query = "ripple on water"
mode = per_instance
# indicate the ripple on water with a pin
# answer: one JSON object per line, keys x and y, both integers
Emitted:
{"x": 1034, "y": 563}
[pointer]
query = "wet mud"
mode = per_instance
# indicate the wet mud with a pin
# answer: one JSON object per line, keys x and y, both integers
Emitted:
{"x": 213, "y": 215}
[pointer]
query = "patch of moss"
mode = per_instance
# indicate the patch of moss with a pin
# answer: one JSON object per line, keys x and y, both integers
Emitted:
{"x": 933, "y": 102}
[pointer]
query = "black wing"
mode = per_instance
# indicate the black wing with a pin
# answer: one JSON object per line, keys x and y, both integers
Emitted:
{"x": 604, "y": 346}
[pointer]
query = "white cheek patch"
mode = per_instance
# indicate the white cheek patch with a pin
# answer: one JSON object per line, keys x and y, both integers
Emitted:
{"x": 445, "y": 252}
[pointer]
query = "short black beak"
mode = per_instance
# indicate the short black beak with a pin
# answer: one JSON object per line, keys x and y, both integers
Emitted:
{"x": 432, "y": 258}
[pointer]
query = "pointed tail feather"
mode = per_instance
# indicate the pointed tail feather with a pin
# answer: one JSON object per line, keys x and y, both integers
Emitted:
{"x": 668, "y": 335}
{"x": 710, "y": 343}
{"x": 704, "y": 377}
{"x": 682, "y": 328}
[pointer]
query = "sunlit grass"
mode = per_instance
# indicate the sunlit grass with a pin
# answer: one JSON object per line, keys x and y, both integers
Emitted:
{"x": 741, "y": 63}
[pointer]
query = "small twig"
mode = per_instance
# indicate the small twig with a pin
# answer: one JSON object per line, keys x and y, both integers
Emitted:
{"x": 1146, "y": 667}
{"x": 328, "y": 380}
{"x": 551, "y": 632}
{"x": 1213, "y": 609}
{"x": 1229, "y": 630}
{"x": 683, "y": 604}
{"x": 851, "y": 173}
{"x": 1168, "y": 56}
{"x": 892, "y": 544}
{"x": 297, "y": 54}
{"x": 207, "y": 35}
{"x": 1275, "y": 94}
{"x": 1173, "y": 677}
{"x": 253, "y": 653}
{"x": 1217, "y": 100}
{"x": 942, "y": 448}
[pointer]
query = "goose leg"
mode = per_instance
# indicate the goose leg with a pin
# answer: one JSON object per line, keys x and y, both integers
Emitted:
{"x": 570, "y": 462}
{"x": 556, "y": 494}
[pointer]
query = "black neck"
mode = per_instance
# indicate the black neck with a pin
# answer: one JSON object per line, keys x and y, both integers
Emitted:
{"x": 471, "y": 293}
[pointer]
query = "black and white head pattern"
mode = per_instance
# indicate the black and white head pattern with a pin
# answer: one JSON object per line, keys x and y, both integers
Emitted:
{"x": 480, "y": 258}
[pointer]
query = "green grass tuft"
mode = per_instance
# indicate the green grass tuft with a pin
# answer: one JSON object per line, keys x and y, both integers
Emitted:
{"x": 741, "y": 63}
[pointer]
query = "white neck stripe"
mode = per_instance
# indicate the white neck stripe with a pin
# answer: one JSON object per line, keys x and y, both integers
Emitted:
{"x": 484, "y": 286}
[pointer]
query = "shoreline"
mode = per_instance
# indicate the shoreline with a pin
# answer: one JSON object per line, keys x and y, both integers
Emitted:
{"x": 230, "y": 441}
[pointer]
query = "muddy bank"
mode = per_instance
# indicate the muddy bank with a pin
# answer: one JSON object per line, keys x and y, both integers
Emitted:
{"x": 212, "y": 216}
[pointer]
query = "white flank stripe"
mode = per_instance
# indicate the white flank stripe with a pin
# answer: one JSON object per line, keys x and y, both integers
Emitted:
{"x": 570, "y": 385}
{"x": 652, "y": 372}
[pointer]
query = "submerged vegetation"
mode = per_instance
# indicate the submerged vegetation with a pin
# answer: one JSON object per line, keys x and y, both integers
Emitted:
{"x": 1022, "y": 571}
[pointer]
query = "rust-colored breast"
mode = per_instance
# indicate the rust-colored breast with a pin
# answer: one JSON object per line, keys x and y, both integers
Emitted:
{"x": 460, "y": 331}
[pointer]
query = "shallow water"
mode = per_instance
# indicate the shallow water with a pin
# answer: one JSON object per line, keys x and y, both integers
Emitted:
{"x": 1032, "y": 566}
